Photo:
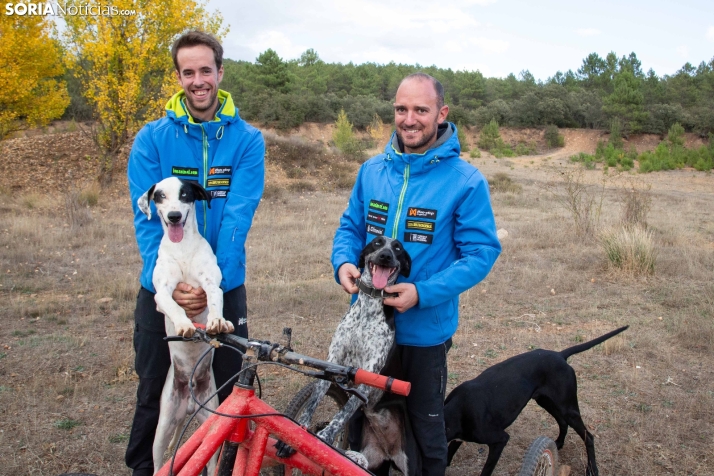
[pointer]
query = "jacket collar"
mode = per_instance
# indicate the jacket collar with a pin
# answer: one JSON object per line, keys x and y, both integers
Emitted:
{"x": 446, "y": 147}
{"x": 177, "y": 110}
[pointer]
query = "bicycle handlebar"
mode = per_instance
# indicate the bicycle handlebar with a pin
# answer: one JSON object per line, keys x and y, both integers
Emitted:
{"x": 269, "y": 352}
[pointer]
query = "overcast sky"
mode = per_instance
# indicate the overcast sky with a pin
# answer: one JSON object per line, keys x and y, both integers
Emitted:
{"x": 496, "y": 37}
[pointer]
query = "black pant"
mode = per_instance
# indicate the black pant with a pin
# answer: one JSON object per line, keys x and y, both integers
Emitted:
{"x": 152, "y": 365}
{"x": 425, "y": 368}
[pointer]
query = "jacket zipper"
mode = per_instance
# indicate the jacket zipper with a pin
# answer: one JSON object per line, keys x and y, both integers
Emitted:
{"x": 205, "y": 175}
{"x": 395, "y": 229}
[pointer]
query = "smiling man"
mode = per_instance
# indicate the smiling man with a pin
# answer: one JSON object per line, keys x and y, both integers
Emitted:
{"x": 420, "y": 192}
{"x": 203, "y": 139}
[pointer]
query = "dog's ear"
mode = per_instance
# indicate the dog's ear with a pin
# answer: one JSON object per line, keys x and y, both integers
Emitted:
{"x": 405, "y": 261}
{"x": 199, "y": 192}
{"x": 366, "y": 251}
{"x": 144, "y": 200}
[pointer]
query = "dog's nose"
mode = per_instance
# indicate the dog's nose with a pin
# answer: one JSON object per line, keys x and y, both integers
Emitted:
{"x": 385, "y": 255}
{"x": 174, "y": 217}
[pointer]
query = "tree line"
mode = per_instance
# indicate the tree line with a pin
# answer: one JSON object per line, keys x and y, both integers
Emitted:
{"x": 117, "y": 72}
{"x": 288, "y": 93}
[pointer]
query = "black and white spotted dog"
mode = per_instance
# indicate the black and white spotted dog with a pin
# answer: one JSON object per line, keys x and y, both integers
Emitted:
{"x": 184, "y": 256}
{"x": 365, "y": 335}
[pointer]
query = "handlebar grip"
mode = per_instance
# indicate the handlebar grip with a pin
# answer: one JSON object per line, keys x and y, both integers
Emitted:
{"x": 382, "y": 382}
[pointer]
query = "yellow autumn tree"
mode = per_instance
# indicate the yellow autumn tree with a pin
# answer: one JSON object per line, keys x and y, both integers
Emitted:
{"x": 123, "y": 62}
{"x": 30, "y": 93}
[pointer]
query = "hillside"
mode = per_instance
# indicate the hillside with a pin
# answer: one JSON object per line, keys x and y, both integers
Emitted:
{"x": 62, "y": 157}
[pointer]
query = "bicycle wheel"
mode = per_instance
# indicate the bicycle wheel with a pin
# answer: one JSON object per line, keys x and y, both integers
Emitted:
{"x": 334, "y": 400}
{"x": 541, "y": 459}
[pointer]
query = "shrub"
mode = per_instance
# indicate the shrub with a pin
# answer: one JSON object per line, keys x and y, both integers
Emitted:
{"x": 490, "y": 138}
{"x": 582, "y": 202}
{"x": 501, "y": 182}
{"x": 637, "y": 201}
{"x": 525, "y": 149}
{"x": 345, "y": 139}
{"x": 475, "y": 153}
{"x": 672, "y": 154}
{"x": 375, "y": 129}
{"x": 553, "y": 138}
{"x": 461, "y": 134}
{"x": 630, "y": 249}
{"x": 675, "y": 136}
{"x": 616, "y": 133}
{"x": 78, "y": 213}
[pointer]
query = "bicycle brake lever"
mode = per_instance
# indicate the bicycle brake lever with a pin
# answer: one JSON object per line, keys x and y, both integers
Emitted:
{"x": 353, "y": 391}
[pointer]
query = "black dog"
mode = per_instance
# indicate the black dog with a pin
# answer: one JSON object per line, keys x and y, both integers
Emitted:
{"x": 481, "y": 409}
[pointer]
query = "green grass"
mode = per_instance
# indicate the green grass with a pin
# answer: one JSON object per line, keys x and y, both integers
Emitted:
{"x": 67, "y": 424}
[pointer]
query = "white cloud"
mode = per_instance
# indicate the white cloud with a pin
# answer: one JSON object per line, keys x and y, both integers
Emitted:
{"x": 489, "y": 45}
{"x": 588, "y": 31}
{"x": 710, "y": 33}
{"x": 683, "y": 51}
{"x": 279, "y": 42}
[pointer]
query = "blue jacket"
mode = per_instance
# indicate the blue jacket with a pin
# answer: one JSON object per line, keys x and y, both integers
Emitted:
{"x": 438, "y": 206}
{"x": 226, "y": 156}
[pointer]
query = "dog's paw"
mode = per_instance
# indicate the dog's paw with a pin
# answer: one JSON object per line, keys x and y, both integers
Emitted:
{"x": 219, "y": 326}
{"x": 283, "y": 450}
{"x": 184, "y": 328}
{"x": 358, "y": 458}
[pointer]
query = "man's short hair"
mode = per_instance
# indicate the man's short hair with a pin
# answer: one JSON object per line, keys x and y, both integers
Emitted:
{"x": 438, "y": 88}
{"x": 195, "y": 38}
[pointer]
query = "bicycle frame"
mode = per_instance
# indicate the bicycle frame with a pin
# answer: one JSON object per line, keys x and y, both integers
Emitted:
{"x": 244, "y": 450}
{"x": 251, "y": 447}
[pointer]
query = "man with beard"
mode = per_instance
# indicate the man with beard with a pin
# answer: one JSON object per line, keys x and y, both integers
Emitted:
{"x": 202, "y": 138}
{"x": 420, "y": 192}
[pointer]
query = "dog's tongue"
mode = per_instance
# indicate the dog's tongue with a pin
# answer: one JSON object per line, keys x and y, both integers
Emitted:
{"x": 176, "y": 232}
{"x": 380, "y": 276}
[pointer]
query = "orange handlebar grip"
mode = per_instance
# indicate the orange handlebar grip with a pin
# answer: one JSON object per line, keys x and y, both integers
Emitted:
{"x": 382, "y": 382}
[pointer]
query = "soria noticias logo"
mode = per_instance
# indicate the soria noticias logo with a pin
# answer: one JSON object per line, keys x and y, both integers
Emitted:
{"x": 58, "y": 9}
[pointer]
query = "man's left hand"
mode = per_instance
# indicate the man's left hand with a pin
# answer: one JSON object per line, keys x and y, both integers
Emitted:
{"x": 408, "y": 296}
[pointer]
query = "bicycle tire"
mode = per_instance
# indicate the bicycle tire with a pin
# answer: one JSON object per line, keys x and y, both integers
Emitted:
{"x": 541, "y": 459}
{"x": 334, "y": 399}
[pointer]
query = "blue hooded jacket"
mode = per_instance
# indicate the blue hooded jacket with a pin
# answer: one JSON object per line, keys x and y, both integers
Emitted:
{"x": 225, "y": 155}
{"x": 439, "y": 207}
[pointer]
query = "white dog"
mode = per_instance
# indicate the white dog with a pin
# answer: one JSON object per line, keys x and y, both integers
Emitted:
{"x": 184, "y": 256}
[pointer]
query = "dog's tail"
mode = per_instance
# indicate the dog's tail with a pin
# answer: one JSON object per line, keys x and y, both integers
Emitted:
{"x": 576, "y": 349}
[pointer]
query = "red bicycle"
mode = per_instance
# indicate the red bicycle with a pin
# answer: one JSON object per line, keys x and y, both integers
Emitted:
{"x": 245, "y": 429}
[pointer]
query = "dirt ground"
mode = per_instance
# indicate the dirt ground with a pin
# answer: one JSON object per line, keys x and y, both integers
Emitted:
{"x": 66, "y": 361}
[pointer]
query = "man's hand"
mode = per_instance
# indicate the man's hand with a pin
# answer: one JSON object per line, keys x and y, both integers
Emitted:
{"x": 192, "y": 300}
{"x": 408, "y": 296}
{"x": 347, "y": 274}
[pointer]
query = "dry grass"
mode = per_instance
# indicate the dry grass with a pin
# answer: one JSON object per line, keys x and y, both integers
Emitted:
{"x": 67, "y": 393}
{"x": 630, "y": 249}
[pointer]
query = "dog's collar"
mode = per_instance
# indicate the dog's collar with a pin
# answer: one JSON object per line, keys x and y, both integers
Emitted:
{"x": 374, "y": 292}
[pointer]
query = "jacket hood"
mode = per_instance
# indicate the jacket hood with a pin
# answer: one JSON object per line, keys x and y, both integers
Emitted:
{"x": 176, "y": 108}
{"x": 446, "y": 147}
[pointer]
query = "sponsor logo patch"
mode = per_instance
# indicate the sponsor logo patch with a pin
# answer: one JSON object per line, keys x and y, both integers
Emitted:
{"x": 376, "y": 217}
{"x": 219, "y": 171}
{"x": 375, "y": 230}
{"x": 218, "y": 182}
{"x": 184, "y": 171}
{"x": 410, "y": 237}
{"x": 218, "y": 193}
{"x": 420, "y": 225}
{"x": 379, "y": 206}
{"x": 427, "y": 213}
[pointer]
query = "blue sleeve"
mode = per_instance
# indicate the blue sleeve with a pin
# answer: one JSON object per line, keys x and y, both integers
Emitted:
{"x": 143, "y": 171}
{"x": 476, "y": 241}
{"x": 247, "y": 181}
{"x": 351, "y": 234}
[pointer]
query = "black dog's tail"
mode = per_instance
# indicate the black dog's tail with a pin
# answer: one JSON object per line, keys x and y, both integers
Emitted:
{"x": 587, "y": 345}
